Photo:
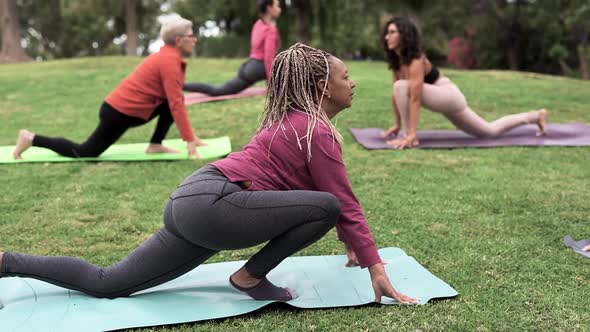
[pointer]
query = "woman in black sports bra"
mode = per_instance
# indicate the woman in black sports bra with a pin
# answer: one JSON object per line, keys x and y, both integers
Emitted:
{"x": 417, "y": 82}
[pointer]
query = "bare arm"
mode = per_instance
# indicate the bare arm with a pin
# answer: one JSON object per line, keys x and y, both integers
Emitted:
{"x": 328, "y": 174}
{"x": 394, "y": 130}
{"x": 415, "y": 86}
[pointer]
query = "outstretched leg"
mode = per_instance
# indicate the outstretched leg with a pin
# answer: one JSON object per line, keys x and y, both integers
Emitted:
{"x": 207, "y": 213}
{"x": 249, "y": 73}
{"x": 112, "y": 125}
{"x": 162, "y": 257}
{"x": 446, "y": 98}
{"x": 232, "y": 86}
{"x": 471, "y": 123}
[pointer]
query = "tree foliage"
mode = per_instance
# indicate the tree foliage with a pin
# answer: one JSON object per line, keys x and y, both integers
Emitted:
{"x": 550, "y": 36}
{"x": 68, "y": 28}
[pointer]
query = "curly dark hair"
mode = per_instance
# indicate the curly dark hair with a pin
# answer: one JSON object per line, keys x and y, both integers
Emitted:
{"x": 410, "y": 43}
{"x": 262, "y": 4}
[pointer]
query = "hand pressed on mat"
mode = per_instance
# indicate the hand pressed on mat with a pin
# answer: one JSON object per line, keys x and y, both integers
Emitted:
{"x": 352, "y": 259}
{"x": 192, "y": 148}
{"x": 393, "y": 131}
{"x": 409, "y": 141}
{"x": 383, "y": 287}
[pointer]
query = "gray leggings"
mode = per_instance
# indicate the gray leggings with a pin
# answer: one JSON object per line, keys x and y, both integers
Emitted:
{"x": 249, "y": 73}
{"x": 206, "y": 214}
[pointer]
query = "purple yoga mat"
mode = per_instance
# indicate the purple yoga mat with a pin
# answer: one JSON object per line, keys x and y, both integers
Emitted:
{"x": 571, "y": 134}
{"x": 577, "y": 246}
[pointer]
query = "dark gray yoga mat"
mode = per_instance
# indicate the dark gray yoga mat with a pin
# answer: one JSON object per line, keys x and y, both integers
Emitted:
{"x": 577, "y": 245}
{"x": 571, "y": 134}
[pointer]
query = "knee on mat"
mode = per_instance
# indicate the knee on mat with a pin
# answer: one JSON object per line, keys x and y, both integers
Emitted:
{"x": 108, "y": 292}
{"x": 102, "y": 285}
{"x": 485, "y": 134}
{"x": 217, "y": 93}
{"x": 479, "y": 132}
{"x": 84, "y": 152}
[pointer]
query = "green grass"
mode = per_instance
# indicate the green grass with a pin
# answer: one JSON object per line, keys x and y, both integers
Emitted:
{"x": 487, "y": 221}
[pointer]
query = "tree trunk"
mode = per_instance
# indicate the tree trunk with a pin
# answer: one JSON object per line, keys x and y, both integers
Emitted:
{"x": 583, "y": 59}
{"x": 302, "y": 20}
{"x": 565, "y": 68}
{"x": 514, "y": 33}
{"x": 131, "y": 23}
{"x": 11, "y": 50}
{"x": 513, "y": 59}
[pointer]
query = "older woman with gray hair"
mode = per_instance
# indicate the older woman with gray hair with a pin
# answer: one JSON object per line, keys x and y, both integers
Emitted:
{"x": 154, "y": 89}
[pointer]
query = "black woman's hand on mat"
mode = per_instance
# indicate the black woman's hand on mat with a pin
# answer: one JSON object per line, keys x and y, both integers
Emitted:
{"x": 192, "y": 148}
{"x": 383, "y": 287}
{"x": 352, "y": 259}
{"x": 405, "y": 142}
{"x": 393, "y": 131}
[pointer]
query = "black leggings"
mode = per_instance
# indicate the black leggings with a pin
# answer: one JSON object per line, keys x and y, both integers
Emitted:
{"x": 206, "y": 214}
{"x": 112, "y": 125}
{"x": 249, "y": 73}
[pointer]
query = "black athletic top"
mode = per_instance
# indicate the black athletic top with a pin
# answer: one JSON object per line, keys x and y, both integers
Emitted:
{"x": 432, "y": 76}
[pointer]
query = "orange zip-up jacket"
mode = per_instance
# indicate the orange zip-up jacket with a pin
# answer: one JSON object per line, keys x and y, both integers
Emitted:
{"x": 157, "y": 78}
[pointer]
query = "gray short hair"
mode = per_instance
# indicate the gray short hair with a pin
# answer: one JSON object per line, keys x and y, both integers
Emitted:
{"x": 173, "y": 28}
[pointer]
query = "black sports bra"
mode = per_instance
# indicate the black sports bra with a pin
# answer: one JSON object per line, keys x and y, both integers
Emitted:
{"x": 432, "y": 76}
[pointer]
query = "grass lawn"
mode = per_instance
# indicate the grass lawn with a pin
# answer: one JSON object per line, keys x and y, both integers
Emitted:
{"x": 487, "y": 221}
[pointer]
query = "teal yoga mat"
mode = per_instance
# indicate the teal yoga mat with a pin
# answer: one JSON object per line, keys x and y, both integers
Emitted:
{"x": 218, "y": 147}
{"x": 205, "y": 293}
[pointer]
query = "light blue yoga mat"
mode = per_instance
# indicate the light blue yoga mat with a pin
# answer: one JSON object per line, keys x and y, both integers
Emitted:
{"x": 205, "y": 293}
{"x": 216, "y": 147}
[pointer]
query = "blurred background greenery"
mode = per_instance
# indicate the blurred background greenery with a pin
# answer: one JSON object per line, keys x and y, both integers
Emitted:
{"x": 549, "y": 36}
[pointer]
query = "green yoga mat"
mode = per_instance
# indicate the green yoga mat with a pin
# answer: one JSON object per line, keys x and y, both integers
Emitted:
{"x": 205, "y": 293}
{"x": 218, "y": 147}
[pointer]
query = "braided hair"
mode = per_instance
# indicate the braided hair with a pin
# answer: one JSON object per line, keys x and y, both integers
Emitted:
{"x": 293, "y": 85}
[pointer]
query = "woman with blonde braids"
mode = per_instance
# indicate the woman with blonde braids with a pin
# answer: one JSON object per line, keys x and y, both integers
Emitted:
{"x": 288, "y": 186}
